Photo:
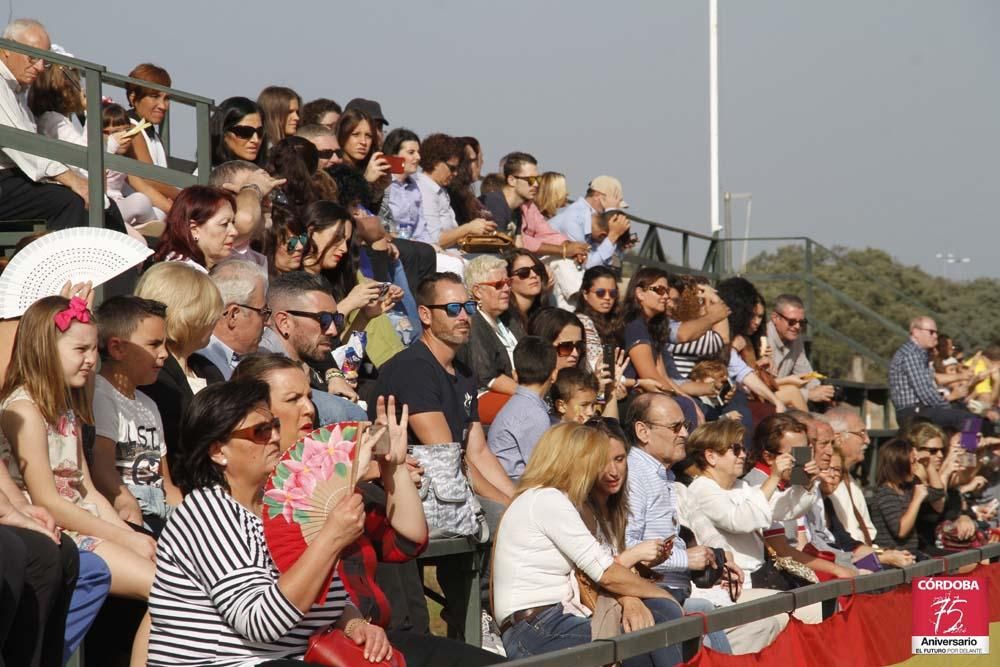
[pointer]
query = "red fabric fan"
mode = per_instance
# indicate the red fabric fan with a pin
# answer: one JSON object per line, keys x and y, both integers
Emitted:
{"x": 309, "y": 480}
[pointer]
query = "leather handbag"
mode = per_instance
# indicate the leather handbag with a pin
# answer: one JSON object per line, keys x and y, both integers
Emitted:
{"x": 710, "y": 575}
{"x": 495, "y": 242}
{"x": 331, "y": 647}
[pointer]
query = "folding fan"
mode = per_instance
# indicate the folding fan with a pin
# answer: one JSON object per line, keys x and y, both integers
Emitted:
{"x": 309, "y": 480}
{"x": 76, "y": 255}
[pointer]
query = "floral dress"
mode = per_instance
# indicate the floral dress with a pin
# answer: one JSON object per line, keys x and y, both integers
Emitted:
{"x": 63, "y": 440}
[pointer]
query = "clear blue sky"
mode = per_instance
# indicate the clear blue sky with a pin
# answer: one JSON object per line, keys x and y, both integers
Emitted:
{"x": 860, "y": 122}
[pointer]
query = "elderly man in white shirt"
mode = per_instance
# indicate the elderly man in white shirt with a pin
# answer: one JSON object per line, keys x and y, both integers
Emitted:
{"x": 24, "y": 192}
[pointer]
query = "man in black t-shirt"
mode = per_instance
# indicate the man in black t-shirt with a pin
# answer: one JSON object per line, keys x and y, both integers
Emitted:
{"x": 520, "y": 171}
{"x": 441, "y": 391}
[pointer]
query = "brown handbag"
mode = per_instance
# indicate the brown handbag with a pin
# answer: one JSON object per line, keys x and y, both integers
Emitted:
{"x": 495, "y": 242}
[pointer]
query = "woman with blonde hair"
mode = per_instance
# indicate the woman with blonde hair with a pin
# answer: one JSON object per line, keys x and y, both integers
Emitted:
{"x": 279, "y": 109}
{"x": 542, "y": 539}
{"x": 552, "y": 193}
{"x": 194, "y": 305}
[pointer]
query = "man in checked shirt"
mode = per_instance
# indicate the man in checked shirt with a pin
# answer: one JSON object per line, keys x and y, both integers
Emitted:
{"x": 911, "y": 381}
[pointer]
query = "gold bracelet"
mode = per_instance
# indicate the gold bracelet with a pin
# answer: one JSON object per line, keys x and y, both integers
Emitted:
{"x": 564, "y": 249}
{"x": 351, "y": 624}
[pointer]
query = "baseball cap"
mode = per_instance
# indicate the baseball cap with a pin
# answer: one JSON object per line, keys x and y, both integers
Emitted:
{"x": 370, "y": 107}
{"x": 610, "y": 186}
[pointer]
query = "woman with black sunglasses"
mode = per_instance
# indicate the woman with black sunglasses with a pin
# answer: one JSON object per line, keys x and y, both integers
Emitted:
{"x": 562, "y": 330}
{"x": 529, "y": 282}
{"x": 236, "y": 132}
{"x": 600, "y": 311}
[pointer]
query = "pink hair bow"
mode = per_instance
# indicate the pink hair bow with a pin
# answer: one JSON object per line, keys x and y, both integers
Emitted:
{"x": 76, "y": 310}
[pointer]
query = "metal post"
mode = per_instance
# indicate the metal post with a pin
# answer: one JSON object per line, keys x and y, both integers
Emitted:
{"x": 204, "y": 142}
{"x": 165, "y": 133}
{"x": 713, "y": 113}
{"x": 685, "y": 251}
{"x": 95, "y": 156}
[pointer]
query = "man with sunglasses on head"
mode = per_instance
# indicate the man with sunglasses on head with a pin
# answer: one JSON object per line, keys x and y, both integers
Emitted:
{"x": 303, "y": 326}
{"x": 30, "y": 184}
{"x": 786, "y": 337}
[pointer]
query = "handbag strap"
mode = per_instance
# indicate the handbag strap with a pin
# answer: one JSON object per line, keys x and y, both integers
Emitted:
{"x": 857, "y": 513}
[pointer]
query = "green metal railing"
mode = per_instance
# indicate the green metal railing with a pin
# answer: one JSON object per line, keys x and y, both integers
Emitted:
{"x": 689, "y": 629}
{"x": 93, "y": 157}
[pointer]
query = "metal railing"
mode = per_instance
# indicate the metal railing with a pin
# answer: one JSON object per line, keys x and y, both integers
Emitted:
{"x": 93, "y": 157}
{"x": 691, "y": 628}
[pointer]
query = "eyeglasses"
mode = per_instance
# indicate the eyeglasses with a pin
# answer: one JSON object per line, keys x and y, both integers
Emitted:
{"x": 659, "y": 289}
{"x": 602, "y": 292}
{"x": 530, "y": 180}
{"x": 326, "y": 153}
{"x": 259, "y": 434}
{"x": 497, "y": 284}
{"x": 525, "y": 271}
{"x": 932, "y": 332}
{"x": 294, "y": 242}
{"x": 675, "y": 427}
{"x": 932, "y": 450}
{"x": 324, "y": 317}
{"x": 453, "y": 309}
{"x": 453, "y": 167}
{"x": 33, "y": 60}
{"x": 565, "y": 349}
{"x": 264, "y": 312}
{"x": 793, "y": 322}
{"x": 737, "y": 449}
{"x": 858, "y": 434}
{"x": 246, "y": 132}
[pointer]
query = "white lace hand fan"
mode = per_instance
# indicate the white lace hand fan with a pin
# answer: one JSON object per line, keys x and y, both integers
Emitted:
{"x": 76, "y": 255}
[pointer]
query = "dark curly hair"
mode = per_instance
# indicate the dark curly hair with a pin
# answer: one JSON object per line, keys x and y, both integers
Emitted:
{"x": 609, "y": 325}
{"x": 352, "y": 188}
{"x": 296, "y": 160}
{"x": 742, "y": 297}
{"x": 659, "y": 324}
{"x": 689, "y": 302}
{"x": 439, "y": 148}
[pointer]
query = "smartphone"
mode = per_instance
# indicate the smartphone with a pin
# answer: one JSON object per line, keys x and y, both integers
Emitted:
{"x": 395, "y": 163}
{"x": 969, "y": 439}
{"x": 609, "y": 356}
{"x": 726, "y": 387}
{"x": 383, "y": 290}
{"x": 381, "y": 447}
{"x": 802, "y": 456}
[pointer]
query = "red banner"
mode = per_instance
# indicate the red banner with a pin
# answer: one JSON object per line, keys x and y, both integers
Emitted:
{"x": 869, "y": 630}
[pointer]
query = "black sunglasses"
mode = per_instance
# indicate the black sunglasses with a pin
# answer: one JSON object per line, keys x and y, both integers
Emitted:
{"x": 326, "y": 153}
{"x": 246, "y": 132}
{"x": 737, "y": 448}
{"x": 792, "y": 322}
{"x": 565, "y": 349}
{"x": 525, "y": 271}
{"x": 453, "y": 309}
{"x": 258, "y": 433}
{"x": 325, "y": 318}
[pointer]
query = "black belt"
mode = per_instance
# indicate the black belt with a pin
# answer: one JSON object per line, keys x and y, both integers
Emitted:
{"x": 522, "y": 615}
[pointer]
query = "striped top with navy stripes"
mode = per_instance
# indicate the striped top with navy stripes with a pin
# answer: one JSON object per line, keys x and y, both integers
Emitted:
{"x": 215, "y": 598}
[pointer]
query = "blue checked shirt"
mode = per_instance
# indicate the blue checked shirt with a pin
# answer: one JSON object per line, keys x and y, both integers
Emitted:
{"x": 653, "y": 514}
{"x": 911, "y": 380}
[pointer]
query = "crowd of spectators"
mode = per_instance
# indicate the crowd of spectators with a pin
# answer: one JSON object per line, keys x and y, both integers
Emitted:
{"x": 634, "y": 449}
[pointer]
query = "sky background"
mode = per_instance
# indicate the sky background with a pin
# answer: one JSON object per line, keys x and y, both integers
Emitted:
{"x": 859, "y": 123}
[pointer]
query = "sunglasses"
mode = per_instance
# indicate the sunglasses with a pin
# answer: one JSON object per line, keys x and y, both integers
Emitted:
{"x": 931, "y": 450}
{"x": 325, "y": 318}
{"x": 659, "y": 289}
{"x": 793, "y": 322}
{"x": 525, "y": 271}
{"x": 602, "y": 292}
{"x": 453, "y": 167}
{"x": 497, "y": 284}
{"x": 566, "y": 349}
{"x": 326, "y": 153}
{"x": 453, "y": 309}
{"x": 737, "y": 449}
{"x": 246, "y": 132}
{"x": 675, "y": 427}
{"x": 530, "y": 180}
{"x": 294, "y": 242}
{"x": 259, "y": 434}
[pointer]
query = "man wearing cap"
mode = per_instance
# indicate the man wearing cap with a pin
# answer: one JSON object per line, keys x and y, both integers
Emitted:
{"x": 585, "y": 220}
{"x": 373, "y": 109}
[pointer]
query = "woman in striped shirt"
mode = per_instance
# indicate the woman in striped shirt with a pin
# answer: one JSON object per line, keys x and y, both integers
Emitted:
{"x": 218, "y": 598}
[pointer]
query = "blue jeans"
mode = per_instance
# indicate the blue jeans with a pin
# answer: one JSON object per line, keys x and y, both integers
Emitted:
{"x": 92, "y": 586}
{"x": 331, "y": 409}
{"x": 663, "y": 611}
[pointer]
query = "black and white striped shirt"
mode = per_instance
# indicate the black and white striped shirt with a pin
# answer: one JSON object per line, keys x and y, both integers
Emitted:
{"x": 686, "y": 355}
{"x": 215, "y": 598}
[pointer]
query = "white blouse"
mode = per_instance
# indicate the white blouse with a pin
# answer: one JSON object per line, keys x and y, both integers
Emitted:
{"x": 541, "y": 539}
{"x": 739, "y": 514}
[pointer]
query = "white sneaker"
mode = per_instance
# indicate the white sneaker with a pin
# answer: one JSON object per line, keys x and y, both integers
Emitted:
{"x": 491, "y": 636}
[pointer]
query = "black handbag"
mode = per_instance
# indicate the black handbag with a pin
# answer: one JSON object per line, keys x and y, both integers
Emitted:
{"x": 710, "y": 575}
{"x": 774, "y": 578}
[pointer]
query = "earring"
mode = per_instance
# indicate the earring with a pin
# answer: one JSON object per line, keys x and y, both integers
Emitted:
{"x": 224, "y": 462}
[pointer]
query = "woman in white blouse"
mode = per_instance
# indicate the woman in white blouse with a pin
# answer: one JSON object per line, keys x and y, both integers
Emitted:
{"x": 217, "y": 597}
{"x": 542, "y": 539}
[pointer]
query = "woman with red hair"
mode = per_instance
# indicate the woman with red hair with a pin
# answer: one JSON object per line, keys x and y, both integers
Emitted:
{"x": 200, "y": 228}
{"x": 150, "y": 105}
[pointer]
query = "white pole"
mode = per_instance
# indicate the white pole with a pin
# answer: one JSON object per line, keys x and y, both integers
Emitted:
{"x": 713, "y": 112}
